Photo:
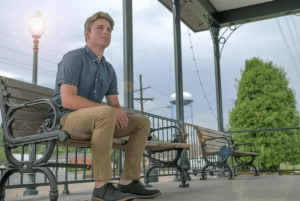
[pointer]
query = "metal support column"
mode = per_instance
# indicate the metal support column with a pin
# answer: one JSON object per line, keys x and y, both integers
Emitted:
{"x": 128, "y": 54}
{"x": 32, "y": 147}
{"x": 128, "y": 62}
{"x": 183, "y": 162}
{"x": 178, "y": 61}
{"x": 215, "y": 36}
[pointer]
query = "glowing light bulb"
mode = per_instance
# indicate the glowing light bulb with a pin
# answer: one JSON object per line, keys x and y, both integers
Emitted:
{"x": 37, "y": 25}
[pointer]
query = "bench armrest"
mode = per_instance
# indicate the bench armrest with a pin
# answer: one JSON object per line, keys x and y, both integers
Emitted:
{"x": 47, "y": 131}
{"x": 162, "y": 128}
{"x": 241, "y": 144}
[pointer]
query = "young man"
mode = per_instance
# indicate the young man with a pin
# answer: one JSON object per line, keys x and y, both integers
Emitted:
{"x": 84, "y": 77}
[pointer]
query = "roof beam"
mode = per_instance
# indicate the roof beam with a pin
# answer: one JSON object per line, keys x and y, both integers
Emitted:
{"x": 257, "y": 12}
{"x": 202, "y": 8}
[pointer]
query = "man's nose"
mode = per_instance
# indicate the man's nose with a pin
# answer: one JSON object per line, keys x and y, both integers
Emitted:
{"x": 106, "y": 32}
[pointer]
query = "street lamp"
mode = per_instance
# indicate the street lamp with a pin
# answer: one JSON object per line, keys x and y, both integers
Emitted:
{"x": 37, "y": 27}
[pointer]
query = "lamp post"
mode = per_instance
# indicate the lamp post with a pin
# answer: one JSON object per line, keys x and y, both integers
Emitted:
{"x": 37, "y": 27}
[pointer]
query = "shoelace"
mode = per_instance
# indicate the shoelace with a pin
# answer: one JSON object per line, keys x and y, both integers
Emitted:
{"x": 111, "y": 185}
{"x": 138, "y": 182}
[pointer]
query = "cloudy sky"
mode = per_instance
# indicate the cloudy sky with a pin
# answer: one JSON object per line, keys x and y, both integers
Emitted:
{"x": 153, "y": 50}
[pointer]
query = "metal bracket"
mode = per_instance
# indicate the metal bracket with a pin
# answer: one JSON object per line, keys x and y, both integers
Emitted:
{"x": 215, "y": 34}
{"x": 181, "y": 6}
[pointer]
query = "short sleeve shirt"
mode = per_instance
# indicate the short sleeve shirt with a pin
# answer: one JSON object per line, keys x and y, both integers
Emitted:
{"x": 82, "y": 69}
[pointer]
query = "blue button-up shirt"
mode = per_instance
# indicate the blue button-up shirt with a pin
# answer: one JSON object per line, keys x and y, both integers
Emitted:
{"x": 82, "y": 69}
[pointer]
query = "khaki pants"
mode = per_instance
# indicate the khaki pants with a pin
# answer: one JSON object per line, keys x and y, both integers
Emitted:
{"x": 100, "y": 121}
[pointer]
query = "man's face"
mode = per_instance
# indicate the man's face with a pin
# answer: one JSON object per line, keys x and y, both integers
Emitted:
{"x": 100, "y": 33}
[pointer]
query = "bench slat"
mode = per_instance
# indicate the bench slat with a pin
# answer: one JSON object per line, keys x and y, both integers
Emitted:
{"x": 29, "y": 115}
{"x": 27, "y": 95}
{"x": 27, "y": 86}
{"x": 150, "y": 146}
{"x": 207, "y": 130}
{"x": 25, "y": 125}
{"x": 244, "y": 153}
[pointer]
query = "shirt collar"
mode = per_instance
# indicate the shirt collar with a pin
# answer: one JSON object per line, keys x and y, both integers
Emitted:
{"x": 92, "y": 55}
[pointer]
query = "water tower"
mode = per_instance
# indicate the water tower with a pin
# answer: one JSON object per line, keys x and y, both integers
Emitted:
{"x": 187, "y": 100}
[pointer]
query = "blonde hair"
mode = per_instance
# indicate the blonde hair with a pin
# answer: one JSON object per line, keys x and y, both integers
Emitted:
{"x": 99, "y": 15}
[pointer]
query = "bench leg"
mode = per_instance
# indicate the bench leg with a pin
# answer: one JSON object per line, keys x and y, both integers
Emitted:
{"x": 53, "y": 184}
{"x": 255, "y": 168}
{"x": 250, "y": 163}
{"x": 203, "y": 175}
{"x": 3, "y": 180}
{"x": 234, "y": 170}
{"x": 183, "y": 177}
{"x": 146, "y": 179}
{"x": 230, "y": 172}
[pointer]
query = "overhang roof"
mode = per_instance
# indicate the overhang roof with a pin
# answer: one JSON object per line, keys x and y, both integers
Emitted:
{"x": 226, "y": 12}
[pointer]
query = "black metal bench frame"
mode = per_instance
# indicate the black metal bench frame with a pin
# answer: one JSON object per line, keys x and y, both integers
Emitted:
{"x": 50, "y": 132}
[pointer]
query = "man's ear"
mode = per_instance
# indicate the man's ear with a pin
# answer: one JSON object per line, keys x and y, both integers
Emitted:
{"x": 87, "y": 34}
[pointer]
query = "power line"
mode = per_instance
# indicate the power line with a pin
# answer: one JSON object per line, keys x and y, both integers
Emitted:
{"x": 24, "y": 68}
{"x": 26, "y": 64}
{"x": 160, "y": 91}
{"x": 287, "y": 46}
{"x": 199, "y": 75}
{"x": 31, "y": 43}
{"x": 26, "y": 54}
{"x": 289, "y": 28}
{"x": 295, "y": 29}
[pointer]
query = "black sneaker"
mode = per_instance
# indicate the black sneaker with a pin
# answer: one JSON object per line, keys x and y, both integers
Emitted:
{"x": 109, "y": 192}
{"x": 137, "y": 189}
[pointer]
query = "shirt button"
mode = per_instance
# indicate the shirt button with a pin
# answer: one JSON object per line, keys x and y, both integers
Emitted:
{"x": 96, "y": 80}
{"x": 95, "y": 91}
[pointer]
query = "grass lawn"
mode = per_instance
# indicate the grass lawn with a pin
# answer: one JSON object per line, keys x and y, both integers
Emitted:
{"x": 290, "y": 167}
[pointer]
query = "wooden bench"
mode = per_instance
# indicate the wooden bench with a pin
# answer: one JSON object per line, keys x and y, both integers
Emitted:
{"x": 24, "y": 108}
{"x": 215, "y": 143}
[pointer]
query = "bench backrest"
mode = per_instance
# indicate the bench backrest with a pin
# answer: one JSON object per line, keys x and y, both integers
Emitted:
{"x": 27, "y": 119}
{"x": 212, "y": 145}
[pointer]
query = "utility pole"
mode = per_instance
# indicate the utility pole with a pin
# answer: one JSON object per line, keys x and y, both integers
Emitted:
{"x": 141, "y": 99}
{"x": 141, "y": 94}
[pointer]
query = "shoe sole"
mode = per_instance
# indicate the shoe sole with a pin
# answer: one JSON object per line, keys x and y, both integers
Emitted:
{"x": 124, "y": 199}
{"x": 146, "y": 197}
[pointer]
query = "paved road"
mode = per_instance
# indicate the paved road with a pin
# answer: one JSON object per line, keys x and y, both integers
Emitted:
{"x": 244, "y": 188}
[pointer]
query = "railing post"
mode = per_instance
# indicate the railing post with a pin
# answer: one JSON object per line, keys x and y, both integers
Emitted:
{"x": 66, "y": 186}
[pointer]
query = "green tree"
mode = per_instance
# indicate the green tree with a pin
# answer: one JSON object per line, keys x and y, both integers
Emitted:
{"x": 2, "y": 153}
{"x": 264, "y": 100}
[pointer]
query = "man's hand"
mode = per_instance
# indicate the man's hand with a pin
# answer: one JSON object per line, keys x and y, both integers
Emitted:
{"x": 122, "y": 119}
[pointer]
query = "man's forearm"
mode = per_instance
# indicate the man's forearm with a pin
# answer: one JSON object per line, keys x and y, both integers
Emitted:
{"x": 77, "y": 102}
{"x": 117, "y": 106}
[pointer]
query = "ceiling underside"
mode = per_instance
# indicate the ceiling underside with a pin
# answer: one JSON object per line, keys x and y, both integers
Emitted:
{"x": 226, "y": 12}
{"x": 223, "y": 5}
